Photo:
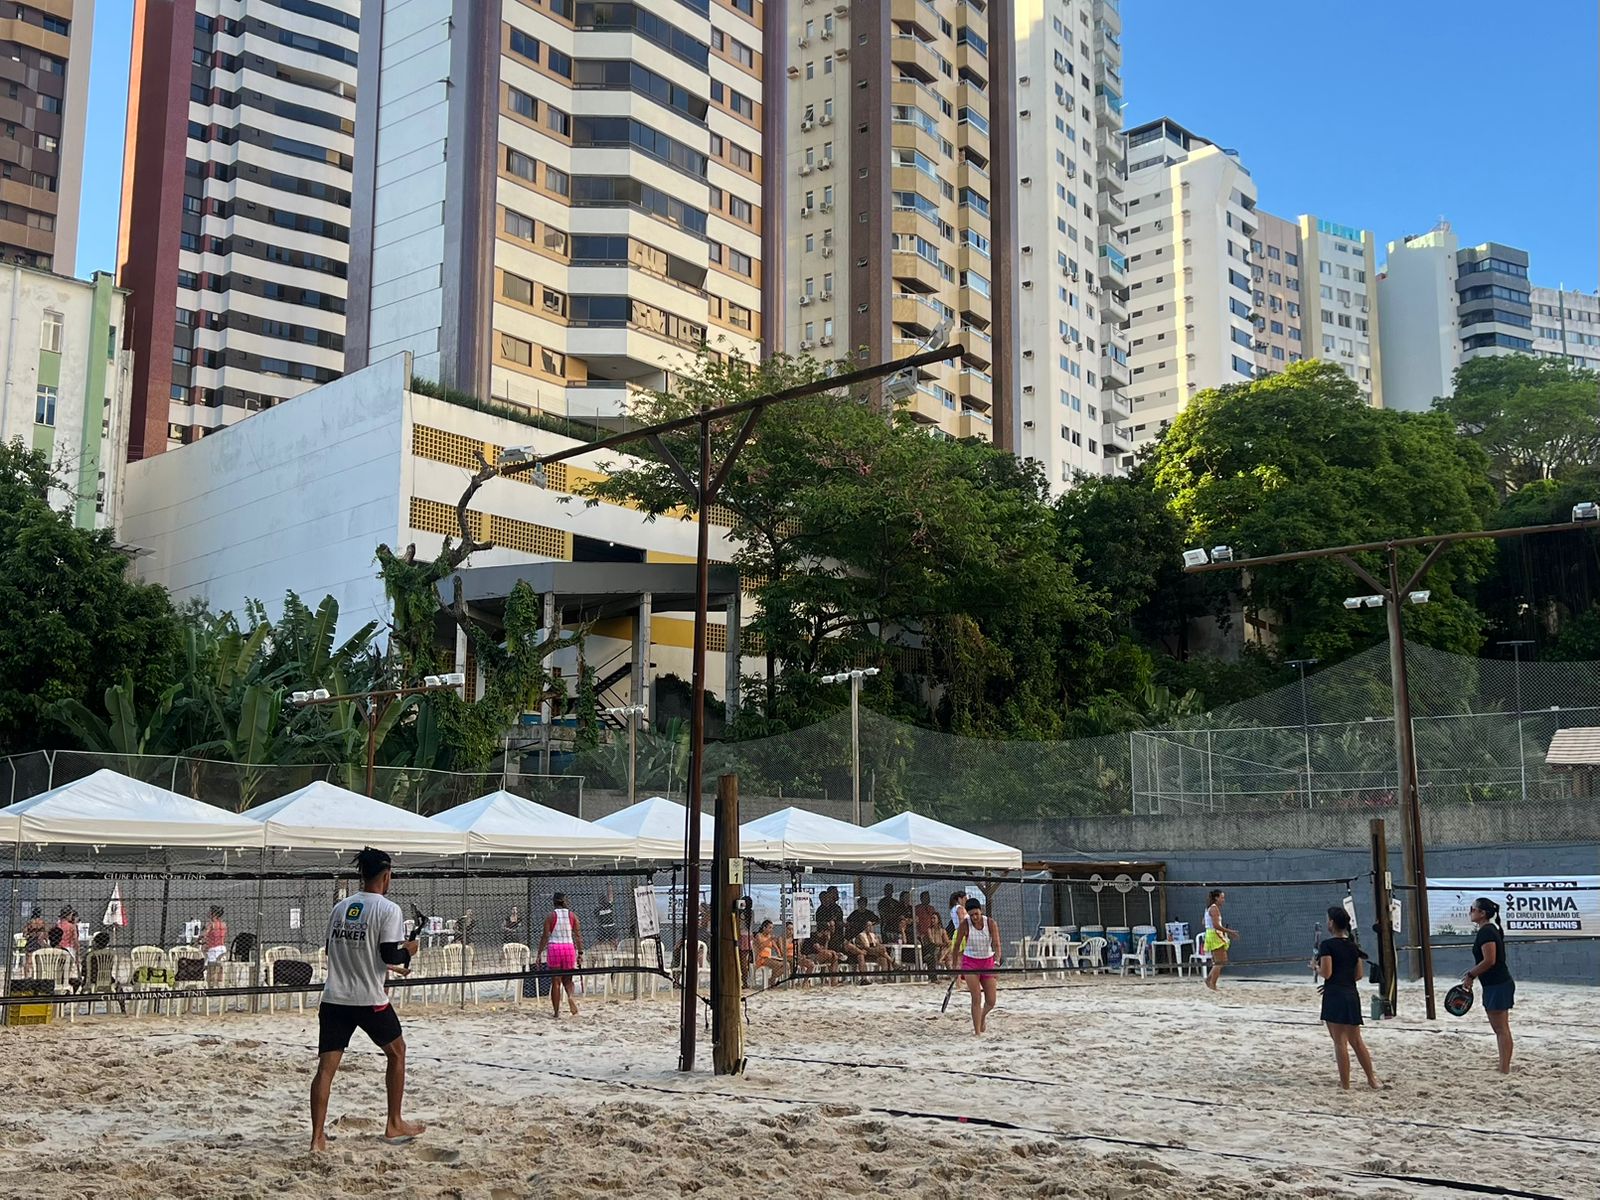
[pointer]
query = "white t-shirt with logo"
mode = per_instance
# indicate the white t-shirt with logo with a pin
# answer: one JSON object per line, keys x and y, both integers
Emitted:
{"x": 356, "y": 928}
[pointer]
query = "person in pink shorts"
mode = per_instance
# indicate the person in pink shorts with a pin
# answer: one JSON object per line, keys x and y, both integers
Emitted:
{"x": 979, "y": 939}
{"x": 561, "y": 947}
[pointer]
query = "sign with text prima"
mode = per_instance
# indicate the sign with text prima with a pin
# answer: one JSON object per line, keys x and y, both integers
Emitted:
{"x": 1530, "y": 905}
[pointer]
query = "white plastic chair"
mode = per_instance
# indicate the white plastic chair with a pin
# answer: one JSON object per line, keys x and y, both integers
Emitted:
{"x": 515, "y": 956}
{"x": 1138, "y": 957}
{"x": 54, "y": 965}
{"x": 290, "y": 999}
{"x": 187, "y": 952}
{"x": 1200, "y": 959}
{"x": 1092, "y": 954}
{"x": 459, "y": 960}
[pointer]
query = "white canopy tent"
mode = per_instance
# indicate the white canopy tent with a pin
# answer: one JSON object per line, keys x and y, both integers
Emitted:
{"x": 657, "y": 826}
{"x": 502, "y": 823}
{"x": 108, "y": 809}
{"x": 322, "y": 816}
{"x": 927, "y": 841}
{"x": 795, "y": 835}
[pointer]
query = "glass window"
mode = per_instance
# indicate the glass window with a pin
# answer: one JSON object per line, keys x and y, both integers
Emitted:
{"x": 50, "y": 333}
{"x": 44, "y": 406}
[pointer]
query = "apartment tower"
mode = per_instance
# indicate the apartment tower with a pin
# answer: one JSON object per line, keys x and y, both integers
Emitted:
{"x": 44, "y": 60}
{"x": 235, "y": 222}
{"x": 1418, "y": 324}
{"x": 1191, "y": 221}
{"x": 1494, "y": 306}
{"x": 558, "y": 202}
{"x": 899, "y": 172}
{"x": 1072, "y": 301}
{"x": 1566, "y": 324}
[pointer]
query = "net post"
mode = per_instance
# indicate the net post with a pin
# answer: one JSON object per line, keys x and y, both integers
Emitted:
{"x": 727, "y": 1032}
{"x": 1387, "y": 960}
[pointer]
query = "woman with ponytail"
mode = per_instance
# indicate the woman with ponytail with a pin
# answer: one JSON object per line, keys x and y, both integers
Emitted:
{"x": 1490, "y": 966}
{"x": 1340, "y": 962}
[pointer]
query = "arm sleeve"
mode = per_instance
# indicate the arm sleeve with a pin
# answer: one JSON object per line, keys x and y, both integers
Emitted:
{"x": 392, "y": 936}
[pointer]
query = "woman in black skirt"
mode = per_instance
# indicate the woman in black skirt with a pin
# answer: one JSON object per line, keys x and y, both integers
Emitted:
{"x": 1339, "y": 962}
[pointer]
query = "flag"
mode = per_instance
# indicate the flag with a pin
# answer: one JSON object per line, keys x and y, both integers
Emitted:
{"x": 115, "y": 914}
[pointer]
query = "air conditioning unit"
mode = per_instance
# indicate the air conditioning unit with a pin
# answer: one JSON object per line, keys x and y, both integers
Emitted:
{"x": 841, "y": 53}
{"x": 827, "y": 119}
{"x": 806, "y": 211}
{"x": 827, "y": 252}
{"x": 806, "y": 123}
{"x": 1077, "y": 345}
{"x": 805, "y": 168}
{"x": 842, "y": 9}
{"x": 827, "y": 294}
{"x": 806, "y": 343}
{"x": 1072, "y": 172}
{"x": 1066, "y": 339}
{"x": 827, "y": 34}
{"x": 804, "y": 300}
{"x": 824, "y": 164}
{"x": 827, "y": 339}
{"x": 803, "y": 41}
{"x": 827, "y": 206}
{"x": 794, "y": 72}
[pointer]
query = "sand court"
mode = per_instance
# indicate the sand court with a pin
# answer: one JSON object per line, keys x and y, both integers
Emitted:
{"x": 1093, "y": 1089}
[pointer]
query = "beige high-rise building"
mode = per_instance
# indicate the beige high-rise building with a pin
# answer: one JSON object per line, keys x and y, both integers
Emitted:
{"x": 44, "y": 59}
{"x": 1191, "y": 220}
{"x": 1316, "y": 297}
{"x": 556, "y": 203}
{"x": 898, "y": 195}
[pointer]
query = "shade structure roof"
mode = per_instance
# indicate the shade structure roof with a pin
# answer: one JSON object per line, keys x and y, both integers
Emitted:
{"x": 323, "y": 816}
{"x": 657, "y": 827}
{"x": 1578, "y": 747}
{"x": 503, "y": 823}
{"x": 928, "y": 841}
{"x": 794, "y": 835}
{"x": 108, "y": 809}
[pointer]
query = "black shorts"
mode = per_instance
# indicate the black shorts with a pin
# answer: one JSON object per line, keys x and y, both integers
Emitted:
{"x": 337, "y": 1022}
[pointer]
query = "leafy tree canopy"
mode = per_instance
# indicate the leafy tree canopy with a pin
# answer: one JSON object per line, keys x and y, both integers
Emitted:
{"x": 1535, "y": 418}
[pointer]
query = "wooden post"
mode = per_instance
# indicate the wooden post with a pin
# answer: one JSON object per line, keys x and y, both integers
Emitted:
{"x": 1388, "y": 964}
{"x": 727, "y": 985}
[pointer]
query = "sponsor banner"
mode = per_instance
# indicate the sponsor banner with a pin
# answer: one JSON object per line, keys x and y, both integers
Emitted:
{"x": 1530, "y": 905}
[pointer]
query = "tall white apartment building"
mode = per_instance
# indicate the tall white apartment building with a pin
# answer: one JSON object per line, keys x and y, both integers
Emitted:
{"x": 1566, "y": 324}
{"x": 1418, "y": 323}
{"x": 1345, "y": 332}
{"x": 235, "y": 224}
{"x": 1073, "y": 300}
{"x": 1191, "y": 219}
{"x": 558, "y": 202}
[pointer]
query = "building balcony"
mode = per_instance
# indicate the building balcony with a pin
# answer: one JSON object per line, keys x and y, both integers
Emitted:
{"x": 975, "y": 304}
{"x": 1115, "y": 408}
{"x": 968, "y": 96}
{"x": 975, "y": 387}
{"x": 1114, "y": 303}
{"x": 971, "y": 424}
{"x": 1116, "y": 439}
{"x": 916, "y": 312}
{"x": 1113, "y": 373}
{"x": 916, "y": 58}
{"x": 920, "y": 13}
{"x": 979, "y": 347}
{"x": 1113, "y": 265}
{"x": 916, "y": 272}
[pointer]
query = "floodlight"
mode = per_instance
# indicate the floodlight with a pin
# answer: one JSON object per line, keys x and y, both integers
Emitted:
{"x": 1352, "y": 602}
{"x": 1195, "y": 558}
{"x": 432, "y": 681}
{"x": 321, "y": 694}
{"x": 513, "y": 456}
{"x": 1420, "y": 597}
{"x": 1372, "y": 601}
{"x": 454, "y": 679}
{"x": 1586, "y": 510}
{"x": 299, "y": 697}
{"x": 1222, "y": 554}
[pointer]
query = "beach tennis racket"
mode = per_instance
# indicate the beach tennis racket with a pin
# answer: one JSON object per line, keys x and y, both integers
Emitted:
{"x": 1458, "y": 1001}
{"x": 951, "y": 990}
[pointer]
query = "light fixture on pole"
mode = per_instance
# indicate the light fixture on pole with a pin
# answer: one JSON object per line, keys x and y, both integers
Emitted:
{"x": 854, "y": 678}
{"x": 376, "y": 705}
{"x": 1387, "y": 593}
{"x": 633, "y": 712}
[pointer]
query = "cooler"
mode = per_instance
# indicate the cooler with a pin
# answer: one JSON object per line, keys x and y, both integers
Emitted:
{"x": 1121, "y": 933}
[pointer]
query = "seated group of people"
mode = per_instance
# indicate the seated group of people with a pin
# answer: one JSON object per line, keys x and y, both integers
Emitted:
{"x": 850, "y": 943}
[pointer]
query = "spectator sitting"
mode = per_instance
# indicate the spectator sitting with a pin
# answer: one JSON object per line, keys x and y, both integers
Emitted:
{"x": 930, "y": 934}
{"x": 871, "y": 944}
{"x": 35, "y": 934}
{"x": 816, "y": 951}
{"x": 768, "y": 952}
{"x": 512, "y": 925}
{"x": 889, "y": 913}
{"x": 857, "y": 920}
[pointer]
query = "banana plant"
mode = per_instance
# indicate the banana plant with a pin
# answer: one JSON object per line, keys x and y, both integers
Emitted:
{"x": 132, "y": 741}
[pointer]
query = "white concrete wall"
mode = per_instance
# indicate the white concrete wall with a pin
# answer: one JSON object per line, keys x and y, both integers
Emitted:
{"x": 1418, "y": 326}
{"x": 297, "y": 498}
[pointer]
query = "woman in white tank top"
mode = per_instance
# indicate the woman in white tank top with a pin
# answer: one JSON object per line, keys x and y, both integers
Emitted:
{"x": 562, "y": 949}
{"x": 979, "y": 940}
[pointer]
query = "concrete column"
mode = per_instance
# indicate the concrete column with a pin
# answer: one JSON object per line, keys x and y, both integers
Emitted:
{"x": 730, "y": 677}
{"x": 641, "y": 651}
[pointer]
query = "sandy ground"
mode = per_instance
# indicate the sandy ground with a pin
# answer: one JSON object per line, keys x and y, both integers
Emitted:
{"x": 1108, "y": 1089}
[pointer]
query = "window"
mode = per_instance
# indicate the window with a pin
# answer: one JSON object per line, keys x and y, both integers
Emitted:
{"x": 50, "y": 333}
{"x": 740, "y": 263}
{"x": 556, "y": 181}
{"x": 1243, "y": 367}
{"x": 520, "y": 165}
{"x": 1292, "y": 260}
{"x": 523, "y": 104}
{"x": 515, "y": 287}
{"x": 519, "y": 226}
{"x": 514, "y": 349}
{"x": 44, "y": 406}
{"x": 741, "y": 210}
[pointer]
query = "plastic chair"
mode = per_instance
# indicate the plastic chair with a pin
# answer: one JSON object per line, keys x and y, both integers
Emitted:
{"x": 54, "y": 965}
{"x": 1092, "y": 954}
{"x": 188, "y": 978}
{"x": 275, "y": 969}
{"x": 147, "y": 958}
{"x": 1138, "y": 957}
{"x": 515, "y": 956}
{"x": 459, "y": 960}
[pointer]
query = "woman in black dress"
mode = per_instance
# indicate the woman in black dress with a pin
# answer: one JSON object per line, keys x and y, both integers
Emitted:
{"x": 1339, "y": 962}
{"x": 1491, "y": 969}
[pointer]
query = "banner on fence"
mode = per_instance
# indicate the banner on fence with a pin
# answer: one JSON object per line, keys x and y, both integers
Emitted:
{"x": 1530, "y": 905}
{"x": 644, "y": 908}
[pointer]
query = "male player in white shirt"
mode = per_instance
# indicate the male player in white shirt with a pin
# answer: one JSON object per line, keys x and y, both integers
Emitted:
{"x": 366, "y": 938}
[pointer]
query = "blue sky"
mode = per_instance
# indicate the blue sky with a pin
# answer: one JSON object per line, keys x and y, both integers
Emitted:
{"x": 1386, "y": 114}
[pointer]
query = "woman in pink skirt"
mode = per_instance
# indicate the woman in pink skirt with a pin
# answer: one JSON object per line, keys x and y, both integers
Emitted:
{"x": 979, "y": 939}
{"x": 561, "y": 947}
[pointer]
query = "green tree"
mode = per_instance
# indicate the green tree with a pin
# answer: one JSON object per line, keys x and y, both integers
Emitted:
{"x": 1535, "y": 418}
{"x": 76, "y": 624}
{"x": 1298, "y": 461}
